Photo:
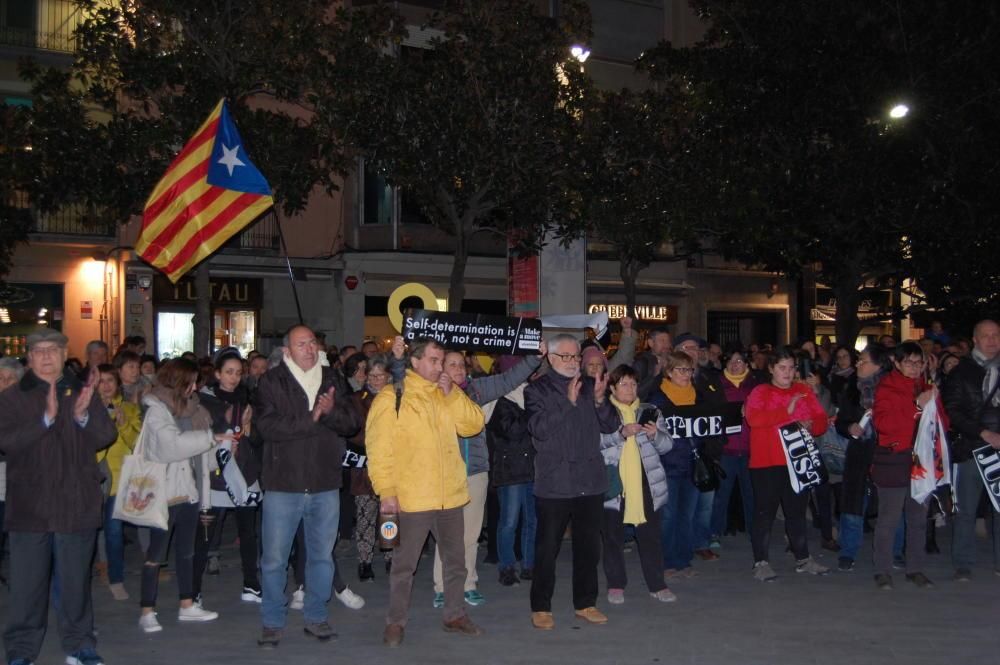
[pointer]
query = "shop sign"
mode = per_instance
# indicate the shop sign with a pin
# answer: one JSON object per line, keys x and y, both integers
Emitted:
{"x": 246, "y": 293}
{"x": 660, "y": 313}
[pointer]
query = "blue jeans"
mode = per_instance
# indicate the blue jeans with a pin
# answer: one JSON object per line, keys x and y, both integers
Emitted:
{"x": 702, "y": 534}
{"x": 516, "y": 501}
{"x": 968, "y": 490}
{"x": 114, "y": 543}
{"x": 737, "y": 467}
{"x": 678, "y": 522}
{"x": 852, "y": 533}
{"x": 282, "y": 512}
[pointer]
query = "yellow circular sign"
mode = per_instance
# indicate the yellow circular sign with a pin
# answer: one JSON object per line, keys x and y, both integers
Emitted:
{"x": 402, "y": 293}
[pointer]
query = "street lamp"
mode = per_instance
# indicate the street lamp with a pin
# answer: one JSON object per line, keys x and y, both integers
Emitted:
{"x": 581, "y": 53}
{"x": 899, "y": 111}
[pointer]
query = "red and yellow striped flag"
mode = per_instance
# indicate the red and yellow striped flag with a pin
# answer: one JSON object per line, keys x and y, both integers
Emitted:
{"x": 209, "y": 193}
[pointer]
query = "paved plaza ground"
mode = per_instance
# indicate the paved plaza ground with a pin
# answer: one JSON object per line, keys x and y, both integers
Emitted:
{"x": 721, "y": 617}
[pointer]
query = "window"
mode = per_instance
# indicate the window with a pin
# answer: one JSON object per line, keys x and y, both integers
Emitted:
{"x": 377, "y": 199}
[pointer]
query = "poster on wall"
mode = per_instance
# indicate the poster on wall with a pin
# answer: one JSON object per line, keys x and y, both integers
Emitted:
{"x": 509, "y": 335}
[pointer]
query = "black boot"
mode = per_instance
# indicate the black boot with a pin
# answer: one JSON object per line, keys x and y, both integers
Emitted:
{"x": 365, "y": 572}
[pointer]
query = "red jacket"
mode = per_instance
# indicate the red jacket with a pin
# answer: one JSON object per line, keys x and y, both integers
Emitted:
{"x": 767, "y": 410}
{"x": 895, "y": 411}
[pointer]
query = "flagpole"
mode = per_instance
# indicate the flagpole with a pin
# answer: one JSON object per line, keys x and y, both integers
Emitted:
{"x": 288, "y": 262}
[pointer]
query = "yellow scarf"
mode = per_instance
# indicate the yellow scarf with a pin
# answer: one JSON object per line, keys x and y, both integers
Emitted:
{"x": 630, "y": 467}
{"x": 737, "y": 379}
{"x": 677, "y": 395}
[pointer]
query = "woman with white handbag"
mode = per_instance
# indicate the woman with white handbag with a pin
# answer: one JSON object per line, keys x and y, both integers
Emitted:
{"x": 176, "y": 433}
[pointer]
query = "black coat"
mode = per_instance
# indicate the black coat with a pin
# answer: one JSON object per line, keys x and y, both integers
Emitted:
{"x": 301, "y": 455}
{"x": 962, "y": 395}
{"x": 217, "y": 402}
{"x": 53, "y": 483}
{"x": 567, "y": 437}
{"x": 513, "y": 453}
{"x": 860, "y": 453}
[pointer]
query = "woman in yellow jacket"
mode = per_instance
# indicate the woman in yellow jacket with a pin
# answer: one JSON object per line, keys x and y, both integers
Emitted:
{"x": 128, "y": 421}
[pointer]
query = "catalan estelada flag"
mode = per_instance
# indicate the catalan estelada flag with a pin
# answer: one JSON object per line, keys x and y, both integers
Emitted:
{"x": 210, "y": 192}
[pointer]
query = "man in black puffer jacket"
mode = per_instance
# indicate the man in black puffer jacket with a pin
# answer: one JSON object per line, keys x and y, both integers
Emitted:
{"x": 566, "y": 415}
{"x": 972, "y": 400}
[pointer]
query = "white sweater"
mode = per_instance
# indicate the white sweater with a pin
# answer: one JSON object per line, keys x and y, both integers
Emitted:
{"x": 167, "y": 444}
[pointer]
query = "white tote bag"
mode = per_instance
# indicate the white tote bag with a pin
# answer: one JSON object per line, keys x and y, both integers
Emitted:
{"x": 142, "y": 493}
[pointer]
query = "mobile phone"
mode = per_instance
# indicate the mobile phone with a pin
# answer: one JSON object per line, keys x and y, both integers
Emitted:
{"x": 647, "y": 416}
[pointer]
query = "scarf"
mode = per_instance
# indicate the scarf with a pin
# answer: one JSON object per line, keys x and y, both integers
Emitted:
{"x": 845, "y": 372}
{"x": 517, "y": 395}
{"x": 190, "y": 409}
{"x": 866, "y": 388}
{"x": 737, "y": 379}
{"x": 677, "y": 395}
{"x": 992, "y": 368}
{"x": 630, "y": 467}
{"x": 310, "y": 379}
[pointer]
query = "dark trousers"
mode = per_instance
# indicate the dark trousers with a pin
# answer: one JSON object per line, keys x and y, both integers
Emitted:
{"x": 246, "y": 526}
{"x": 584, "y": 514}
{"x": 27, "y": 606}
{"x": 823, "y": 497}
{"x": 771, "y": 488}
{"x": 647, "y": 538}
{"x": 894, "y": 503}
{"x": 448, "y": 529}
{"x": 3, "y": 529}
{"x": 492, "y": 523}
{"x": 183, "y": 522}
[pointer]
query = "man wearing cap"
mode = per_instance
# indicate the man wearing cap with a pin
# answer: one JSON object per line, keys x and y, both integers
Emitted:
{"x": 51, "y": 426}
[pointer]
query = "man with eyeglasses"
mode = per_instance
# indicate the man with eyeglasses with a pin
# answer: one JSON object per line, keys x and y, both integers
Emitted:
{"x": 972, "y": 399}
{"x": 51, "y": 426}
{"x": 567, "y": 413}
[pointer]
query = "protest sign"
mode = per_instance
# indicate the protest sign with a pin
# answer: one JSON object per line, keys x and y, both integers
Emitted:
{"x": 805, "y": 466}
{"x": 700, "y": 420}
{"x": 988, "y": 462}
{"x": 509, "y": 335}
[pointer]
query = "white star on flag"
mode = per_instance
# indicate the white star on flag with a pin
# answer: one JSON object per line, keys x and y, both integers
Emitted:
{"x": 229, "y": 159}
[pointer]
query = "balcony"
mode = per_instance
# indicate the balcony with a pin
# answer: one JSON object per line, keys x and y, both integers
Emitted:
{"x": 71, "y": 220}
{"x": 46, "y": 25}
{"x": 261, "y": 237}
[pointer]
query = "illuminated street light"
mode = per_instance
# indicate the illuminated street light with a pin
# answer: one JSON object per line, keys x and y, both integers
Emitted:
{"x": 899, "y": 111}
{"x": 580, "y": 53}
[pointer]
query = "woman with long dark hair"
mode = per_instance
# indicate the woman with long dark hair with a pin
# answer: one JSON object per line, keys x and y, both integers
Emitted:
{"x": 177, "y": 432}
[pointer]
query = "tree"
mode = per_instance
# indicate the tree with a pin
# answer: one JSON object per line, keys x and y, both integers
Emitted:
{"x": 478, "y": 128}
{"x": 14, "y": 218}
{"x": 793, "y": 162}
{"x": 630, "y": 143}
{"x": 148, "y": 72}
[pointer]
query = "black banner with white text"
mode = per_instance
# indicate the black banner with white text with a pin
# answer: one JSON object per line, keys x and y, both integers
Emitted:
{"x": 805, "y": 466}
{"x": 701, "y": 420}
{"x": 988, "y": 462}
{"x": 508, "y": 335}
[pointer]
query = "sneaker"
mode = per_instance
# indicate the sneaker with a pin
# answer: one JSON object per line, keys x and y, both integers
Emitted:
{"x": 883, "y": 582}
{"x": 321, "y": 631}
{"x": 707, "y": 555}
{"x": 762, "y": 572}
{"x": 212, "y": 567}
{"x": 591, "y": 615}
{"x": 438, "y": 600}
{"x": 845, "y": 565}
{"x": 542, "y": 620}
{"x": 474, "y": 598}
{"x": 664, "y": 596}
{"x": 350, "y": 599}
{"x": 118, "y": 591}
{"x": 963, "y": 575}
{"x": 714, "y": 544}
{"x": 365, "y": 572}
{"x": 269, "y": 637}
{"x": 196, "y": 613}
{"x": 809, "y": 565}
{"x": 671, "y": 573}
{"x": 463, "y": 625}
{"x": 920, "y": 580}
{"x": 298, "y": 599}
{"x": 616, "y": 596}
{"x": 527, "y": 573}
{"x": 149, "y": 624}
{"x": 393, "y": 635}
{"x": 508, "y": 577}
{"x": 251, "y": 595}
{"x": 898, "y": 562}
{"x": 84, "y": 657}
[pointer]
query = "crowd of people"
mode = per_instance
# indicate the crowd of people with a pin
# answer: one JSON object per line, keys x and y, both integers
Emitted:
{"x": 310, "y": 444}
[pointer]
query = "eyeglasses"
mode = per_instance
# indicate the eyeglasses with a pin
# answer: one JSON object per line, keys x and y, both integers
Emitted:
{"x": 46, "y": 350}
{"x": 737, "y": 361}
{"x": 377, "y": 376}
{"x": 913, "y": 363}
{"x": 567, "y": 357}
{"x": 683, "y": 370}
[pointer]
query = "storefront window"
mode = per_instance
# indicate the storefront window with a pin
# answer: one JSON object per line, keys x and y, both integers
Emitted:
{"x": 174, "y": 334}
{"x": 236, "y": 328}
{"x": 25, "y": 307}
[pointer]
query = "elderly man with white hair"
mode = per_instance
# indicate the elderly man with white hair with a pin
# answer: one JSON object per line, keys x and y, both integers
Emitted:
{"x": 567, "y": 413}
